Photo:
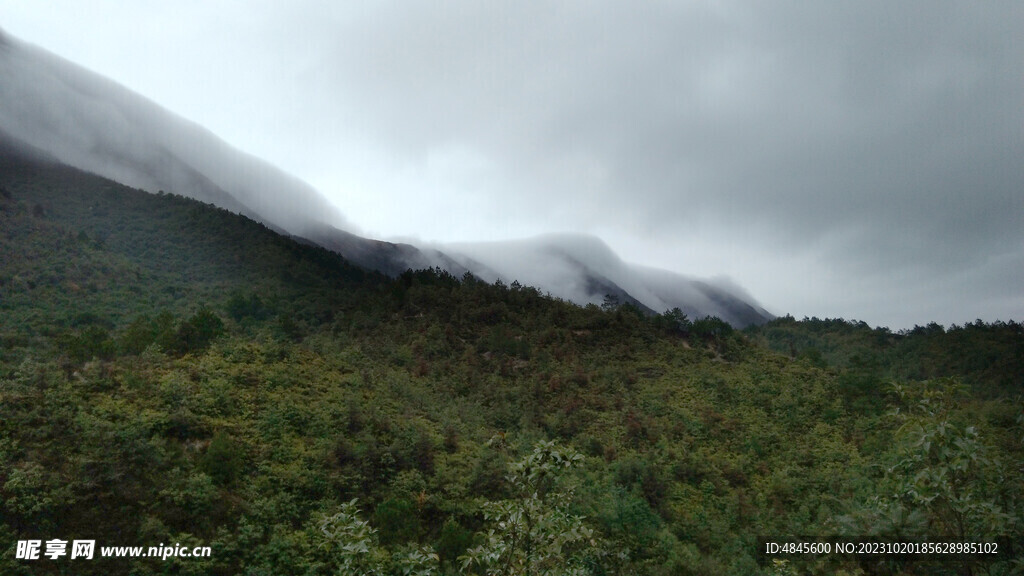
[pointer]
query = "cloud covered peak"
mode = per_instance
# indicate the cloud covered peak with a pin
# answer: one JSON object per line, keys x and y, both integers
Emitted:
{"x": 583, "y": 269}
{"x": 92, "y": 123}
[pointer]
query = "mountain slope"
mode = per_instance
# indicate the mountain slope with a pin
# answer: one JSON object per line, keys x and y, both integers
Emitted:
{"x": 387, "y": 257}
{"x": 92, "y": 123}
{"x": 74, "y": 244}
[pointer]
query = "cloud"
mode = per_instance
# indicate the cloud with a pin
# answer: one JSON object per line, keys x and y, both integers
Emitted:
{"x": 883, "y": 137}
{"x": 844, "y": 158}
{"x": 89, "y": 122}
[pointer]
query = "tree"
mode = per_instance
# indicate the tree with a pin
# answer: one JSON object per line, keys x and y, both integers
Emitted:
{"x": 354, "y": 540}
{"x": 610, "y": 303}
{"x": 222, "y": 460}
{"x": 534, "y": 532}
{"x": 359, "y": 552}
{"x": 676, "y": 322}
{"x": 943, "y": 483}
{"x": 194, "y": 334}
{"x": 91, "y": 342}
{"x": 945, "y": 468}
{"x": 711, "y": 328}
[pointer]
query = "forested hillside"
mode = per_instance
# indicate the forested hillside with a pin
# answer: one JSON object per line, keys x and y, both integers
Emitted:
{"x": 174, "y": 373}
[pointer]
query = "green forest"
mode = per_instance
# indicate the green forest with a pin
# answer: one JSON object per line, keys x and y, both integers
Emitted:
{"x": 175, "y": 374}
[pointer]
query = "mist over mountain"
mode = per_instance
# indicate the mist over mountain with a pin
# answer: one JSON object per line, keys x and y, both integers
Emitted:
{"x": 92, "y": 123}
{"x": 82, "y": 119}
{"x": 584, "y": 269}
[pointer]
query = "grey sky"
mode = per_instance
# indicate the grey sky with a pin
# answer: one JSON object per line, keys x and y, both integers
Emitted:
{"x": 855, "y": 159}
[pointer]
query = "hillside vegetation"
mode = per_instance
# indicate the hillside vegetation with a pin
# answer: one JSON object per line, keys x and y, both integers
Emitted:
{"x": 174, "y": 373}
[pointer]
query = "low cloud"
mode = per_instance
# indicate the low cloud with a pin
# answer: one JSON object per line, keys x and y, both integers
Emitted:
{"x": 89, "y": 122}
{"x": 856, "y": 159}
{"x": 878, "y": 140}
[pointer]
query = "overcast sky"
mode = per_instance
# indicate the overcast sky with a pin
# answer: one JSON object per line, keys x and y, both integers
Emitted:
{"x": 856, "y": 159}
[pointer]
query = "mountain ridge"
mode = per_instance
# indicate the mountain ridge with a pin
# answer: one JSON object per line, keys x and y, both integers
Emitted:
{"x": 87, "y": 121}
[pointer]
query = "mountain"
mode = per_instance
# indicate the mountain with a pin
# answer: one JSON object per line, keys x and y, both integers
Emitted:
{"x": 86, "y": 121}
{"x": 388, "y": 257}
{"x": 174, "y": 372}
{"x": 584, "y": 269}
{"x": 92, "y": 123}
